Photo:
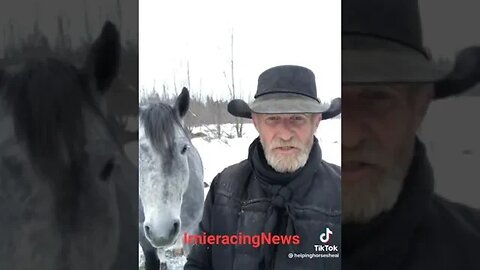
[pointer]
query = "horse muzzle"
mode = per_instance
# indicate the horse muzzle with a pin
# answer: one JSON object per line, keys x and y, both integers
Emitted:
{"x": 161, "y": 237}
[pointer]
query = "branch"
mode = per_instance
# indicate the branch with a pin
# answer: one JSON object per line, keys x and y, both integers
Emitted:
{"x": 232, "y": 94}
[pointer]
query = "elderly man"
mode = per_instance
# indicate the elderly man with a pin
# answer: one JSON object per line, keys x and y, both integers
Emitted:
{"x": 391, "y": 218}
{"x": 284, "y": 188}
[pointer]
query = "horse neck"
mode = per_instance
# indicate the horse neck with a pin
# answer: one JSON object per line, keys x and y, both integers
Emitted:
{"x": 24, "y": 197}
{"x": 195, "y": 163}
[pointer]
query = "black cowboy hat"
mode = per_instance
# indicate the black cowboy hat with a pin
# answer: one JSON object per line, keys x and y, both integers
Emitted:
{"x": 382, "y": 43}
{"x": 285, "y": 89}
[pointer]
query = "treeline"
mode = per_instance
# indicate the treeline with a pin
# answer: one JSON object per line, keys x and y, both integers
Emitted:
{"x": 124, "y": 89}
{"x": 203, "y": 111}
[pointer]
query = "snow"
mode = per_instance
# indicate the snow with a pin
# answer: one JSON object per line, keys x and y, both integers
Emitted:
{"x": 451, "y": 135}
{"x": 452, "y": 145}
{"x": 217, "y": 154}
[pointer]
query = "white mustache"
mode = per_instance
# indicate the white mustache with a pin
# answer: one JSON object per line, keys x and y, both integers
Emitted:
{"x": 282, "y": 143}
{"x": 367, "y": 153}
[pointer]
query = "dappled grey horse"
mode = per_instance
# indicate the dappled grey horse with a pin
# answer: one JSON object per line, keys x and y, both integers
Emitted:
{"x": 67, "y": 191}
{"x": 171, "y": 178}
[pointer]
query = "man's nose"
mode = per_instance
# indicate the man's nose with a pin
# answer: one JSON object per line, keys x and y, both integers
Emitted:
{"x": 354, "y": 129}
{"x": 285, "y": 131}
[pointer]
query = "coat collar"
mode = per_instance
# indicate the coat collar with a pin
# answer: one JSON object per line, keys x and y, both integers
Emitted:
{"x": 383, "y": 243}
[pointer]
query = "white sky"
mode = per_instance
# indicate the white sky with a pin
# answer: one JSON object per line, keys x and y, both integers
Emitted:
{"x": 266, "y": 34}
{"x": 449, "y": 26}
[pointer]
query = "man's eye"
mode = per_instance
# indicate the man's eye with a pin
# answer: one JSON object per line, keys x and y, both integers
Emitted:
{"x": 378, "y": 102}
{"x": 298, "y": 118}
{"x": 272, "y": 119}
{"x": 376, "y": 95}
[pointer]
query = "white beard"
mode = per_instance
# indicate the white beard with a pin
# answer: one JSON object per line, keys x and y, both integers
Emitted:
{"x": 288, "y": 163}
{"x": 283, "y": 164}
{"x": 367, "y": 198}
{"x": 362, "y": 201}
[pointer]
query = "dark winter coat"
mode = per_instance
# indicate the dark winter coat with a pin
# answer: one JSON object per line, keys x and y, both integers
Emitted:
{"x": 423, "y": 231}
{"x": 237, "y": 203}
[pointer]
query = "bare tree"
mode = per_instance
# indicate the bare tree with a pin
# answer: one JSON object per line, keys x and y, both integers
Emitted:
{"x": 232, "y": 92}
{"x": 188, "y": 124}
{"x": 214, "y": 114}
{"x": 165, "y": 95}
{"x": 218, "y": 118}
{"x": 88, "y": 30}
{"x": 10, "y": 41}
{"x": 175, "y": 84}
{"x": 119, "y": 15}
{"x": 188, "y": 76}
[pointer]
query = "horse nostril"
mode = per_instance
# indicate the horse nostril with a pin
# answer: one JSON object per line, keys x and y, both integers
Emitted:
{"x": 147, "y": 229}
{"x": 176, "y": 227}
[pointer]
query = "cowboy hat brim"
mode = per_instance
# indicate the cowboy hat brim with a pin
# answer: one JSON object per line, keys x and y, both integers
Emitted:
{"x": 369, "y": 59}
{"x": 464, "y": 75}
{"x": 387, "y": 67}
{"x": 287, "y": 103}
{"x": 373, "y": 60}
{"x": 240, "y": 108}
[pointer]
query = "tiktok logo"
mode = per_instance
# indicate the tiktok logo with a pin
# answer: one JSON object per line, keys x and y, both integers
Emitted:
{"x": 325, "y": 237}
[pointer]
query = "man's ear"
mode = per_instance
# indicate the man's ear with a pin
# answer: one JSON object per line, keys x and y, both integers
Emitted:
{"x": 255, "y": 120}
{"x": 316, "y": 118}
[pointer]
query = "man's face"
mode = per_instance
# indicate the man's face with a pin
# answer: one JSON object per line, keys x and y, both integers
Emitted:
{"x": 379, "y": 123}
{"x": 286, "y": 138}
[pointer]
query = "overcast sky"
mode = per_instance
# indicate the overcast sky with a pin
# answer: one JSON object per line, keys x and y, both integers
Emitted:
{"x": 449, "y": 26}
{"x": 269, "y": 33}
{"x": 266, "y": 34}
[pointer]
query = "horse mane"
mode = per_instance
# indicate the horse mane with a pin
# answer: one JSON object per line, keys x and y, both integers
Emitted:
{"x": 46, "y": 97}
{"x": 159, "y": 120}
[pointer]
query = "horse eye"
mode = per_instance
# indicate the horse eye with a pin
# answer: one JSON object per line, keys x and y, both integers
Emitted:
{"x": 107, "y": 170}
{"x": 184, "y": 149}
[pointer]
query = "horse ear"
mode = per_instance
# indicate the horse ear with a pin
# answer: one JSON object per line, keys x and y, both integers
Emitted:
{"x": 182, "y": 102}
{"x": 103, "y": 59}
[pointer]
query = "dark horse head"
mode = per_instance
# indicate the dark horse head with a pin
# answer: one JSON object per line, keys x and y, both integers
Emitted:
{"x": 61, "y": 169}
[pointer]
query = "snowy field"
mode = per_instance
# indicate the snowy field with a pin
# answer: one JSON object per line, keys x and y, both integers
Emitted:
{"x": 217, "y": 154}
{"x": 452, "y": 135}
{"x": 453, "y": 146}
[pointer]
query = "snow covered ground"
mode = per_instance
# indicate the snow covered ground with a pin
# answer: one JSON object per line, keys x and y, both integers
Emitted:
{"x": 217, "y": 154}
{"x": 449, "y": 132}
{"x": 452, "y": 135}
